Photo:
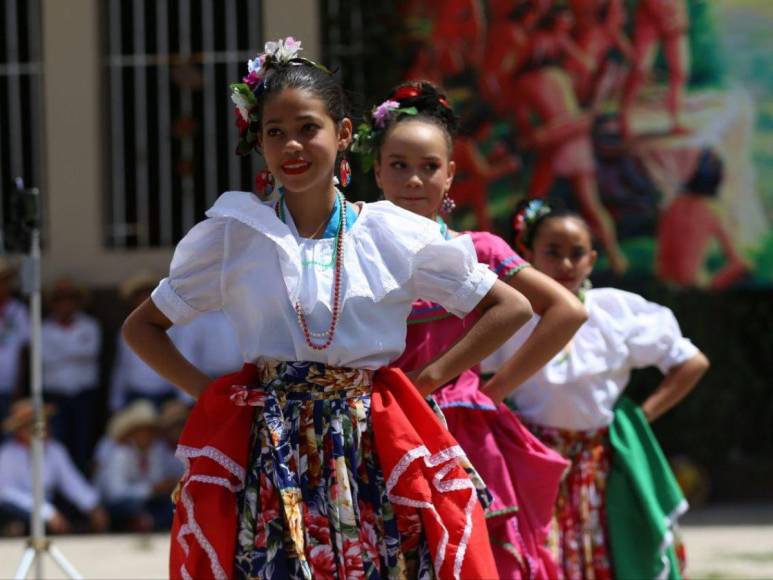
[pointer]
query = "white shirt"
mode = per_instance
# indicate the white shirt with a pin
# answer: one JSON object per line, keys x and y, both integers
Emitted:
{"x": 71, "y": 355}
{"x": 59, "y": 474}
{"x": 14, "y": 334}
{"x": 245, "y": 261}
{"x": 122, "y": 475}
{"x": 578, "y": 389}
{"x": 170, "y": 466}
{"x": 209, "y": 342}
{"x": 130, "y": 373}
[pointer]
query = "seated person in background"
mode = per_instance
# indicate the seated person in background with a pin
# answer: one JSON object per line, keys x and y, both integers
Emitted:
{"x": 131, "y": 475}
{"x": 14, "y": 334}
{"x": 132, "y": 378}
{"x": 688, "y": 227}
{"x": 72, "y": 342}
{"x": 60, "y": 476}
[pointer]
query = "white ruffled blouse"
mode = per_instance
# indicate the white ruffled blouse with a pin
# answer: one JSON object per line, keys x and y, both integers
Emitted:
{"x": 245, "y": 261}
{"x": 578, "y": 389}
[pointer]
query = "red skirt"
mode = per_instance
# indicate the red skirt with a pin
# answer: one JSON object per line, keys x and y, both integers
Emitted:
{"x": 417, "y": 456}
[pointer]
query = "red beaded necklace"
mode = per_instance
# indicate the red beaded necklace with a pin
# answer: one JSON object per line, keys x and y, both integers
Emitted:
{"x": 328, "y": 334}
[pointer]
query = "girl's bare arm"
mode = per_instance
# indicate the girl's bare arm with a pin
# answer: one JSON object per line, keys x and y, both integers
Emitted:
{"x": 503, "y": 311}
{"x": 145, "y": 332}
{"x": 561, "y": 315}
{"x": 677, "y": 383}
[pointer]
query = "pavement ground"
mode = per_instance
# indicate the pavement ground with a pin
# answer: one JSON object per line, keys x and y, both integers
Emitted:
{"x": 722, "y": 542}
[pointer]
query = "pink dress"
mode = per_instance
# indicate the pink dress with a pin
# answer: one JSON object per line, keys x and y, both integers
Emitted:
{"x": 521, "y": 473}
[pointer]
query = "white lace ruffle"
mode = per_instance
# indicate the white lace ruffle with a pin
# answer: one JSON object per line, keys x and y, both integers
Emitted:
{"x": 185, "y": 453}
{"x": 191, "y": 526}
{"x": 450, "y": 456}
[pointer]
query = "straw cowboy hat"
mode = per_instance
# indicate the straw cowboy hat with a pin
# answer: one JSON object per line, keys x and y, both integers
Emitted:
{"x": 138, "y": 414}
{"x": 137, "y": 282}
{"x": 23, "y": 414}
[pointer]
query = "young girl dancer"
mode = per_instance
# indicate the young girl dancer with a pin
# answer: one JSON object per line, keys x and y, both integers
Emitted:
{"x": 316, "y": 460}
{"x": 619, "y": 501}
{"x": 411, "y": 138}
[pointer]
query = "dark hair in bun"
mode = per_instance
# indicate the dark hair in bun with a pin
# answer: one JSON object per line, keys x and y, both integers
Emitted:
{"x": 431, "y": 106}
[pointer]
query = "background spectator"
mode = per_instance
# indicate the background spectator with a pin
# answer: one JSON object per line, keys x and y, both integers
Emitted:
{"x": 71, "y": 346}
{"x": 60, "y": 478}
{"x": 131, "y": 475}
{"x": 133, "y": 379}
{"x": 14, "y": 334}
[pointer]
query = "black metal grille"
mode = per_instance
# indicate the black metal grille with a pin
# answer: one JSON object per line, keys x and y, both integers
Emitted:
{"x": 169, "y": 122}
{"x": 21, "y": 109}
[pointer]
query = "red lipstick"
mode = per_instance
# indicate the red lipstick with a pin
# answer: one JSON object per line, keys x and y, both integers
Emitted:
{"x": 295, "y": 166}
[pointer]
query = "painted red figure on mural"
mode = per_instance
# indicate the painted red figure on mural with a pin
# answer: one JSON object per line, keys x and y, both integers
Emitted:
{"x": 561, "y": 137}
{"x": 474, "y": 173}
{"x": 663, "y": 22}
{"x": 689, "y": 226}
{"x": 451, "y": 36}
{"x": 458, "y": 36}
{"x": 598, "y": 30}
{"x": 507, "y": 47}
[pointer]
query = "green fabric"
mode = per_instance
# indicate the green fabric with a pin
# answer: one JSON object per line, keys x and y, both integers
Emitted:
{"x": 643, "y": 499}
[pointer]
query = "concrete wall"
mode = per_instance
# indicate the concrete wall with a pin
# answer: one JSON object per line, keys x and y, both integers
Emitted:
{"x": 74, "y": 138}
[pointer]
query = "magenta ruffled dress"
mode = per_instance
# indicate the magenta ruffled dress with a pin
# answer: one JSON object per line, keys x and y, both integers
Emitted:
{"x": 521, "y": 473}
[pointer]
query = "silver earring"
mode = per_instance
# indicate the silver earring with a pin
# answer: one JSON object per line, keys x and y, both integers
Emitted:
{"x": 447, "y": 205}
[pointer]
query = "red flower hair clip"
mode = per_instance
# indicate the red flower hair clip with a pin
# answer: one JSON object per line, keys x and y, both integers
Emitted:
{"x": 406, "y": 92}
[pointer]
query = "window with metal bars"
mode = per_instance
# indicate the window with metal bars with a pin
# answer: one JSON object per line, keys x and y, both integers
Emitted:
{"x": 169, "y": 123}
{"x": 21, "y": 108}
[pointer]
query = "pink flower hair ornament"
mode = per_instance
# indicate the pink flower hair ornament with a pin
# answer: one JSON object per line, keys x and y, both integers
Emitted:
{"x": 366, "y": 134}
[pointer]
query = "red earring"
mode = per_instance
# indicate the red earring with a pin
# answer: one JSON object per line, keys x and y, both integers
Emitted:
{"x": 264, "y": 182}
{"x": 344, "y": 173}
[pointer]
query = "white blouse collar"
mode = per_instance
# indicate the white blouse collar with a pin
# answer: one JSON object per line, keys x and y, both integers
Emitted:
{"x": 246, "y": 208}
{"x": 384, "y": 241}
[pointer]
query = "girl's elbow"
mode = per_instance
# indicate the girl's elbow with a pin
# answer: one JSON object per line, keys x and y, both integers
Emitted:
{"x": 133, "y": 327}
{"x": 577, "y": 314}
{"x": 701, "y": 362}
{"x": 521, "y": 309}
{"x": 128, "y": 329}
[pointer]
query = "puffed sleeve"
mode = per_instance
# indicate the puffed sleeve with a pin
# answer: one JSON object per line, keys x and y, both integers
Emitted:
{"x": 194, "y": 282}
{"x": 447, "y": 272}
{"x": 497, "y": 254}
{"x": 653, "y": 335}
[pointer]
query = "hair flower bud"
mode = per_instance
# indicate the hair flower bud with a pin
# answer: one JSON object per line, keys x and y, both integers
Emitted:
{"x": 383, "y": 112}
{"x": 244, "y": 99}
{"x": 283, "y": 50}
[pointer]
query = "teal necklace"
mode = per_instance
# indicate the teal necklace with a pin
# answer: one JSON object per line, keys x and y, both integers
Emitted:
{"x": 443, "y": 227}
{"x": 341, "y": 205}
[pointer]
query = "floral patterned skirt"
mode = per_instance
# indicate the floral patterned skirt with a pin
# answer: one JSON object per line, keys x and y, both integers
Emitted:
{"x": 314, "y": 503}
{"x": 581, "y": 543}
